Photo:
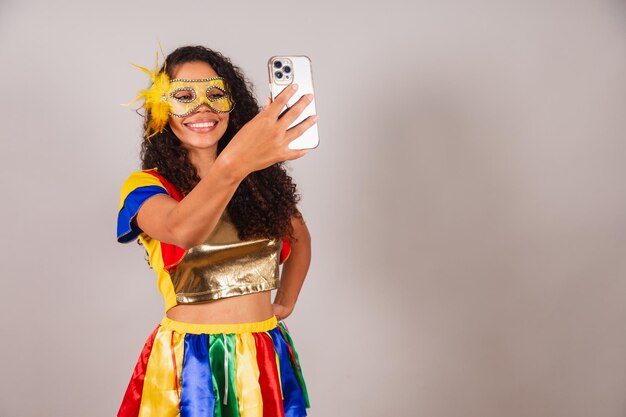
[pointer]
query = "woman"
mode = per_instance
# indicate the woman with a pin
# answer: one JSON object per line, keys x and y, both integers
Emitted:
{"x": 216, "y": 212}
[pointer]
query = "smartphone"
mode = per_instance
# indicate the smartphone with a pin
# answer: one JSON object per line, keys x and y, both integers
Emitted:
{"x": 286, "y": 70}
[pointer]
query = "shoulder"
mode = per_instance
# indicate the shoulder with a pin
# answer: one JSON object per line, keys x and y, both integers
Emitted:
{"x": 145, "y": 178}
{"x": 149, "y": 178}
{"x": 136, "y": 190}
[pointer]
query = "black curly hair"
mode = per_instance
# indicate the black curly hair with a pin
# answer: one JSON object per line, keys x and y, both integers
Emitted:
{"x": 265, "y": 201}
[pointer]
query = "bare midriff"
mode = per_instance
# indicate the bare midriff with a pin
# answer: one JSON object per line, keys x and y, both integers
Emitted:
{"x": 241, "y": 309}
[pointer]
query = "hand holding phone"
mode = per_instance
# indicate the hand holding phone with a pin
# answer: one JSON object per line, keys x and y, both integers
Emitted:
{"x": 265, "y": 140}
{"x": 294, "y": 69}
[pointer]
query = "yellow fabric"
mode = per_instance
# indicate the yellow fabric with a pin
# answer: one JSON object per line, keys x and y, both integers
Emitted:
{"x": 136, "y": 180}
{"x": 237, "y": 328}
{"x": 161, "y": 388}
{"x": 164, "y": 281}
{"x": 248, "y": 388}
{"x": 153, "y": 247}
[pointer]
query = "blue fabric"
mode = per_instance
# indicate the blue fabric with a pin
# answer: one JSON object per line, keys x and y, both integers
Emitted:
{"x": 127, "y": 231}
{"x": 293, "y": 399}
{"x": 197, "y": 398}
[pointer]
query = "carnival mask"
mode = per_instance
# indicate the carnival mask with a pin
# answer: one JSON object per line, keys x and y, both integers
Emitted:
{"x": 179, "y": 98}
{"x": 186, "y": 96}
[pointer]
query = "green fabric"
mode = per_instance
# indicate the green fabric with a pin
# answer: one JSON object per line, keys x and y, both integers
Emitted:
{"x": 216, "y": 356}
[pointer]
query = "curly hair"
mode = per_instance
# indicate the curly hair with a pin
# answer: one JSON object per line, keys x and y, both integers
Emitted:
{"x": 265, "y": 201}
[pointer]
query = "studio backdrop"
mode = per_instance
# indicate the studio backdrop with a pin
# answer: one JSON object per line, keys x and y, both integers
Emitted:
{"x": 466, "y": 202}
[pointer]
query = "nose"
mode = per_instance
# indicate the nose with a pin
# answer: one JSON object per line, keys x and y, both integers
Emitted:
{"x": 204, "y": 107}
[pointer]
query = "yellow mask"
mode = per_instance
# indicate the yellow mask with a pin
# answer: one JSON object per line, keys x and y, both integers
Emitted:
{"x": 179, "y": 98}
{"x": 185, "y": 96}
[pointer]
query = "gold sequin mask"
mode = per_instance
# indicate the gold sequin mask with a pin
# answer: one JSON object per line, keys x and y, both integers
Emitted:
{"x": 185, "y": 96}
{"x": 179, "y": 97}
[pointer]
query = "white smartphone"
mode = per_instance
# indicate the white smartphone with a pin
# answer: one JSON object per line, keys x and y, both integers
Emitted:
{"x": 285, "y": 70}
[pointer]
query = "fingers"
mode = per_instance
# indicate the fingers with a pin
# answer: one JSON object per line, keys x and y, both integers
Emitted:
{"x": 296, "y": 153}
{"x": 294, "y": 112}
{"x": 275, "y": 108}
{"x": 301, "y": 127}
{"x": 273, "y": 133}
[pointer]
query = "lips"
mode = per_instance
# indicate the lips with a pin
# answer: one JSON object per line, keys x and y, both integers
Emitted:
{"x": 201, "y": 125}
{"x": 204, "y": 126}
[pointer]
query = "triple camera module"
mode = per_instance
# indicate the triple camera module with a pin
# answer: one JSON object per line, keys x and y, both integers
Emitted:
{"x": 282, "y": 70}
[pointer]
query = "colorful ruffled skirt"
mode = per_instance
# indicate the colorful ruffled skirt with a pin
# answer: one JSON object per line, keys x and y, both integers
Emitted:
{"x": 222, "y": 370}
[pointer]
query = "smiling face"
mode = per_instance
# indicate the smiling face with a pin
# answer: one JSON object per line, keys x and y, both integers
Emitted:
{"x": 203, "y": 127}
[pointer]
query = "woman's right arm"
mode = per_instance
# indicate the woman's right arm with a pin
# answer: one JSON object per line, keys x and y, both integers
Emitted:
{"x": 189, "y": 222}
{"x": 260, "y": 143}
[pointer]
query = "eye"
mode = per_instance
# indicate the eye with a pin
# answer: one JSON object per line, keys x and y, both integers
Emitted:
{"x": 184, "y": 95}
{"x": 215, "y": 93}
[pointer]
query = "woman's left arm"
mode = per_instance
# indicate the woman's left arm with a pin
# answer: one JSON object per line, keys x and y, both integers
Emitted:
{"x": 294, "y": 270}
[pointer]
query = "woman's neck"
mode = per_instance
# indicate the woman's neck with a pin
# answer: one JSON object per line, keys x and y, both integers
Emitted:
{"x": 203, "y": 159}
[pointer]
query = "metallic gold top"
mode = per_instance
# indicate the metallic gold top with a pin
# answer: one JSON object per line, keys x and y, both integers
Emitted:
{"x": 225, "y": 266}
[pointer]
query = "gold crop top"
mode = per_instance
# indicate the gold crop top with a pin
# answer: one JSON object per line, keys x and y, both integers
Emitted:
{"x": 222, "y": 266}
{"x": 225, "y": 266}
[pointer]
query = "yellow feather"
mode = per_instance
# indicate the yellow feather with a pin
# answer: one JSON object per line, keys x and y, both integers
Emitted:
{"x": 144, "y": 69}
{"x": 155, "y": 99}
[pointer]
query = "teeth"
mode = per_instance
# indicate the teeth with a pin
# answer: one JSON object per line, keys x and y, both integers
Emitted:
{"x": 201, "y": 125}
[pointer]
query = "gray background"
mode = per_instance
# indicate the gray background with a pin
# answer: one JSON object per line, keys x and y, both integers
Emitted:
{"x": 466, "y": 202}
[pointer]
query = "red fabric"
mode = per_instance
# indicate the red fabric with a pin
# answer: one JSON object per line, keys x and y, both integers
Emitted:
{"x": 268, "y": 375}
{"x": 285, "y": 251}
{"x": 171, "y": 190}
{"x": 171, "y": 254}
{"x": 132, "y": 398}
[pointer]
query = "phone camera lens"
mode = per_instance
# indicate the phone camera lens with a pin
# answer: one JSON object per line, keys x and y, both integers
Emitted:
{"x": 278, "y": 75}
{"x": 287, "y": 69}
{"x": 278, "y": 64}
